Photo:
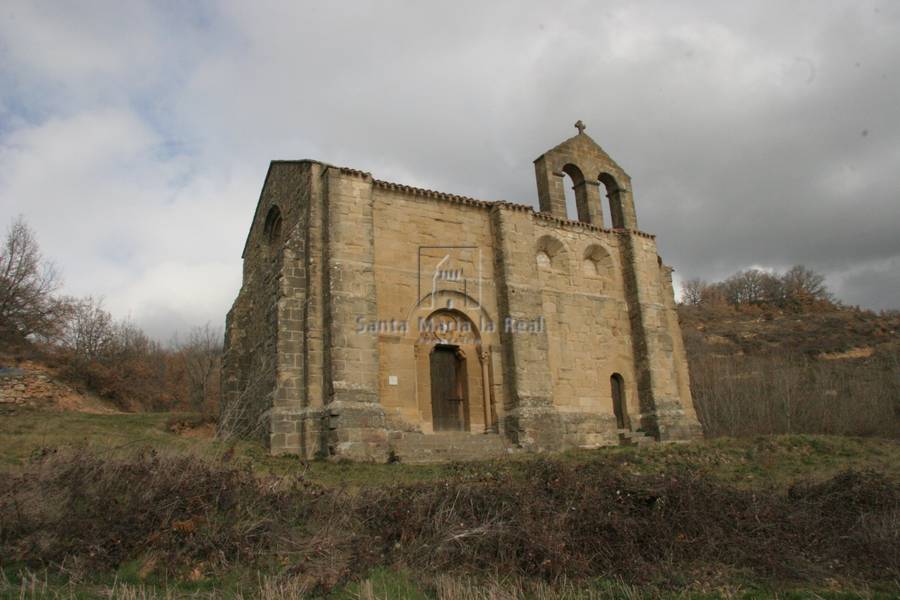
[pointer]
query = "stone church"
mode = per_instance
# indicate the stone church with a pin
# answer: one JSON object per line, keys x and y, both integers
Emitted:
{"x": 380, "y": 320}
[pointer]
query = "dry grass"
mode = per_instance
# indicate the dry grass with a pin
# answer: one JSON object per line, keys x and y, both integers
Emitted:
{"x": 180, "y": 517}
{"x": 740, "y": 395}
{"x": 764, "y": 371}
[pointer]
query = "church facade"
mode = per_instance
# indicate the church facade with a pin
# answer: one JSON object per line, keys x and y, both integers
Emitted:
{"x": 379, "y": 320}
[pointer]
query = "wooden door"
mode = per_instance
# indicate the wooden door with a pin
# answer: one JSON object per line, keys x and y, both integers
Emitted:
{"x": 447, "y": 390}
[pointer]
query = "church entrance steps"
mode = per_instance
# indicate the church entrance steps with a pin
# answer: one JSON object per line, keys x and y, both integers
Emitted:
{"x": 422, "y": 448}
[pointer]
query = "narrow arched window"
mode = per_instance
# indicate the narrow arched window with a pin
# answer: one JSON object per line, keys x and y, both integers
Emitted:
{"x": 272, "y": 228}
{"x": 543, "y": 260}
{"x": 620, "y": 406}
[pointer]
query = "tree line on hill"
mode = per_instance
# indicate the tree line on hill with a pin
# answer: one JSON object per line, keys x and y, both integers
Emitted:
{"x": 113, "y": 357}
{"x": 798, "y": 288}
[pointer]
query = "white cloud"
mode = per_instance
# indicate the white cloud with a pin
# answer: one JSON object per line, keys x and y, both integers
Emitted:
{"x": 147, "y": 231}
{"x": 135, "y": 137}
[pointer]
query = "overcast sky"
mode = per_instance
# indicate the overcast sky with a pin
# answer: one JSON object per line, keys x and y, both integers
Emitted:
{"x": 134, "y": 137}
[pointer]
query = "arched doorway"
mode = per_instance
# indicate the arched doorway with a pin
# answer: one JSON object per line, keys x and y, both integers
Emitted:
{"x": 449, "y": 401}
{"x": 453, "y": 374}
{"x": 618, "y": 398}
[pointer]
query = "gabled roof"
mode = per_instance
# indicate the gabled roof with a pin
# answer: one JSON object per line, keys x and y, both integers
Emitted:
{"x": 262, "y": 192}
{"x": 581, "y": 144}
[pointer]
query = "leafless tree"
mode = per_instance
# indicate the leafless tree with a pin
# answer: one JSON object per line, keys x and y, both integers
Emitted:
{"x": 130, "y": 341}
{"x": 202, "y": 355}
{"x": 800, "y": 286}
{"x": 803, "y": 285}
{"x": 692, "y": 291}
{"x": 28, "y": 283}
{"x": 752, "y": 286}
{"x": 90, "y": 332}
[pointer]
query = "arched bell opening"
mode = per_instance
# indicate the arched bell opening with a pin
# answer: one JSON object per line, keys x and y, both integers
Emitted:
{"x": 612, "y": 202}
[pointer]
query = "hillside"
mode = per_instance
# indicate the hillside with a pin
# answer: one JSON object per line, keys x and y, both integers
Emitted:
{"x": 760, "y": 370}
{"x": 29, "y": 380}
{"x": 832, "y": 333}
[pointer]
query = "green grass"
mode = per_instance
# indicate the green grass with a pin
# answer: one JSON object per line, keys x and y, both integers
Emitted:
{"x": 750, "y": 462}
{"x": 26, "y": 431}
{"x": 761, "y": 460}
{"x": 753, "y": 462}
{"x": 391, "y": 584}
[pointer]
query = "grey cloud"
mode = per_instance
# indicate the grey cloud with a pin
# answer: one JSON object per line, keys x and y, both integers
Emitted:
{"x": 763, "y": 134}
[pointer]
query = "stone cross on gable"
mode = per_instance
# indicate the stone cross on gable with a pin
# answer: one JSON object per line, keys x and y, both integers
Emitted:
{"x": 580, "y": 126}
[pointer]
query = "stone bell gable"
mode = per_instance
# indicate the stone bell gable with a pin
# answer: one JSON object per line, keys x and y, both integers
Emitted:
{"x": 590, "y": 168}
{"x": 376, "y": 318}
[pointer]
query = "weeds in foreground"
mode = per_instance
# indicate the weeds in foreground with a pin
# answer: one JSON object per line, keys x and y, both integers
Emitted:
{"x": 188, "y": 519}
{"x": 388, "y": 584}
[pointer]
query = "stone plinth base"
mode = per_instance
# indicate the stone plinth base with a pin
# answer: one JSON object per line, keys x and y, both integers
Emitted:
{"x": 356, "y": 431}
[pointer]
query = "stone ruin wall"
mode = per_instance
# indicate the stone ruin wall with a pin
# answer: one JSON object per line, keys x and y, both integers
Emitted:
{"x": 261, "y": 365}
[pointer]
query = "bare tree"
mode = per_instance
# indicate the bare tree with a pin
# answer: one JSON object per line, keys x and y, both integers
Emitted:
{"x": 752, "y": 286}
{"x": 27, "y": 287}
{"x": 692, "y": 291}
{"x": 89, "y": 333}
{"x": 803, "y": 285}
{"x": 798, "y": 287}
{"x": 202, "y": 355}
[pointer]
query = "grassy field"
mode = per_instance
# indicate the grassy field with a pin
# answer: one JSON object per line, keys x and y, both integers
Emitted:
{"x": 393, "y": 584}
{"x": 763, "y": 464}
{"x": 747, "y": 462}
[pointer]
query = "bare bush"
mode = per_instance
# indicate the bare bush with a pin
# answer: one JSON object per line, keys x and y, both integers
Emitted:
{"x": 692, "y": 291}
{"x": 201, "y": 355}
{"x": 121, "y": 363}
{"x": 740, "y": 395}
{"x": 547, "y": 519}
{"x": 751, "y": 287}
{"x": 89, "y": 332}
{"x": 117, "y": 359}
{"x": 804, "y": 286}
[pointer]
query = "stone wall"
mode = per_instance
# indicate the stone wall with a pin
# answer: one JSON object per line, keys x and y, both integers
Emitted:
{"x": 583, "y": 293}
{"x": 34, "y": 385}
{"x": 263, "y": 344}
{"x": 20, "y": 387}
{"x": 531, "y": 420}
{"x": 411, "y": 230}
{"x": 667, "y": 411}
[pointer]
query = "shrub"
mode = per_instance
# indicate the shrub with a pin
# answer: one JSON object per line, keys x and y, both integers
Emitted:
{"x": 738, "y": 395}
{"x": 550, "y": 520}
